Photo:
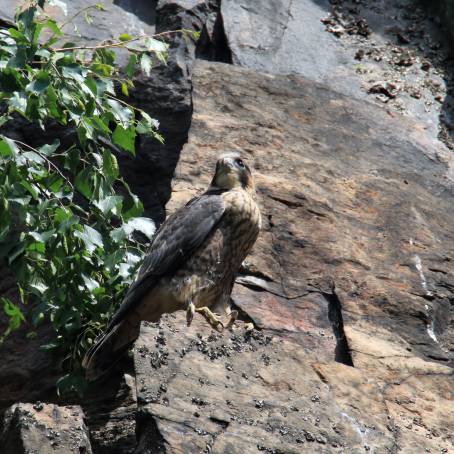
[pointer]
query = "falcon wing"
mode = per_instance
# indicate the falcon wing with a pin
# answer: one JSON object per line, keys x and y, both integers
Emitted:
{"x": 179, "y": 236}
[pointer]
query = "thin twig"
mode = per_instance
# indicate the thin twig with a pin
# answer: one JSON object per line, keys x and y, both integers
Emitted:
{"x": 116, "y": 44}
{"x": 43, "y": 156}
{"x": 123, "y": 102}
{"x": 94, "y": 6}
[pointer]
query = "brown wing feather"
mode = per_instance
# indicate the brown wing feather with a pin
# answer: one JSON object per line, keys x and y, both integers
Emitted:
{"x": 179, "y": 236}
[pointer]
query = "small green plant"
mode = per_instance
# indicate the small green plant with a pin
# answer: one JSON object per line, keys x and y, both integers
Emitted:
{"x": 66, "y": 215}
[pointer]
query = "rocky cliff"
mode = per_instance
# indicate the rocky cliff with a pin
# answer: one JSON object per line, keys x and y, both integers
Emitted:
{"x": 343, "y": 111}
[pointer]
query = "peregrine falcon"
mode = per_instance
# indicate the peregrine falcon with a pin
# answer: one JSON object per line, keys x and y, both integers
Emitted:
{"x": 191, "y": 264}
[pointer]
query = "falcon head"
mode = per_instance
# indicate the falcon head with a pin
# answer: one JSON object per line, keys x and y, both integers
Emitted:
{"x": 232, "y": 172}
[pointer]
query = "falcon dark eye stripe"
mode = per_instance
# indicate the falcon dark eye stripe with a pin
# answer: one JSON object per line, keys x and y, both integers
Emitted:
{"x": 240, "y": 163}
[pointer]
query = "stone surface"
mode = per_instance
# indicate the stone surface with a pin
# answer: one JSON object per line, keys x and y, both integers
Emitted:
{"x": 353, "y": 267}
{"x": 245, "y": 392}
{"x": 135, "y": 17}
{"x": 353, "y": 263}
{"x": 111, "y": 408}
{"x": 27, "y": 373}
{"x": 45, "y": 429}
{"x": 348, "y": 46}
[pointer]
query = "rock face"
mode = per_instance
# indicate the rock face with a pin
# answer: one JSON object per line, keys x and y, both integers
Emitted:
{"x": 353, "y": 264}
{"x": 350, "y": 285}
{"x": 44, "y": 429}
{"x": 350, "y": 47}
{"x": 117, "y": 16}
{"x": 242, "y": 391}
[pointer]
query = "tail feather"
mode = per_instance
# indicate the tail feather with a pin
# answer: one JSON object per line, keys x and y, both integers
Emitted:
{"x": 103, "y": 354}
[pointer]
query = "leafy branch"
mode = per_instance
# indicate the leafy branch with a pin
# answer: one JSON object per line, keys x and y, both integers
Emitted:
{"x": 67, "y": 218}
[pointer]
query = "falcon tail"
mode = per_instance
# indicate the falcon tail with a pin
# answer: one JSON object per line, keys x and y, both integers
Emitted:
{"x": 103, "y": 354}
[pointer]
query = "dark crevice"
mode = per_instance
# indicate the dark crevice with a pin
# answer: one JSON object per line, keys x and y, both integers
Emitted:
{"x": 150, "y": 439}
{"x": 342, "y": 351}
{"x": 214, "y": 46}
{"x": 150, "y": 173}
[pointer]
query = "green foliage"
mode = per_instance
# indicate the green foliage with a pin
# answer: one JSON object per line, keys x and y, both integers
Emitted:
{"x": 67, "y": 218}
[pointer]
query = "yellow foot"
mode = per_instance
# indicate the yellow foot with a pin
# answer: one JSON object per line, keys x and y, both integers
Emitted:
{"x": 249, "y": 326}
{"x": 232, "y": 318}
{"x": 190, "y": 312}
{"x": 212, "y": 319}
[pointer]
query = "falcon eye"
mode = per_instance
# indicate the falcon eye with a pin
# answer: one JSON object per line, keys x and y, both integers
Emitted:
{"x": 240, "y": 163}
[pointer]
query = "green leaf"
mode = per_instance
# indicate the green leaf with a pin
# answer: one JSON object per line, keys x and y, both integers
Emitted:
{"x": 50, "y": 149}
{"x": 90, "y": 283}
{"x": 84, "y": 182}
{"x": 11, "y": 80}
{"x": 132, "y": 207}
{"x": 53, "y": 27}
{"x": 42, "y": 237}
{"x": 154, "y": 45}
{"x": 18, "y": 102}
{"x": 101, "y": 126}
{"x": 125, "y": 138}
{"x": 14, "y": 315}
{"x": 19, "y": 59}
{"x": 125, "y": 37}
{"x": 110, "y": 169}
{"x": 146, "y": 64}
{"x": 147, "y": 125}
{"x": 4, "y": 119}
{"x": 131, "y": 66}
{"x": 121, "y": 113}
{"x": 91, "y": 238}
{"x": 8, "y": 147}
{"x": 109, "y": 204}
{"x": 53, "y": 105}
{"x": 144, "y": 225}
{"x": 112, "y": 260}
{"x": 38, "y": 286}
{"x": 39, "y": 83}
{"x": 75, "y": 72}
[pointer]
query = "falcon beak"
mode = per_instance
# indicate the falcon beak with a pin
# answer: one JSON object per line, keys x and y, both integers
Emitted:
{"x": 229, "y": 164}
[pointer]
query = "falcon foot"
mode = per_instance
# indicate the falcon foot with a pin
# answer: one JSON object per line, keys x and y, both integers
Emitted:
{"x": 212, "y": 319}
{"x": 190, "y": 312}
{"x": 232, "y": 318}
{"x": 249, "y": 326}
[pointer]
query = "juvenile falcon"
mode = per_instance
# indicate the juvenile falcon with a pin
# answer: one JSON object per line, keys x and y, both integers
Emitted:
{"x": 191, "y": 265}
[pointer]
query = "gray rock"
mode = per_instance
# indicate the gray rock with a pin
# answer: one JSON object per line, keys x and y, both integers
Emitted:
{"x": 117, "y": 17}
{"x": 353, "y": 261}
{"x": 44, "y": 429}
{"x": 324, "y": 41}
{"x": 240, "y": 391}
{"x": 111, "y": 408}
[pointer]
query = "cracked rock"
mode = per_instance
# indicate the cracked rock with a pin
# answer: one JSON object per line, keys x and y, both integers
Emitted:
{"x": 44, "y": 429}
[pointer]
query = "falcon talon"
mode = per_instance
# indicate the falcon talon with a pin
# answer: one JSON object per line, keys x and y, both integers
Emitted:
{"x": 249, "y": 326}
{"x": 232, "y": 319}
{"x": 211, "y": 318}
{"x": 190, "y": 313}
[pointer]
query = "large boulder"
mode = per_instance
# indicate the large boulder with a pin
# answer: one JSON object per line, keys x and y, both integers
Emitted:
{"x": 245, "y": 392}
{"x": 44, "y": 429}
{"x": 390, "y": 52}
{"x": 353, "y": 263}
{"x": 350, "y": 285}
